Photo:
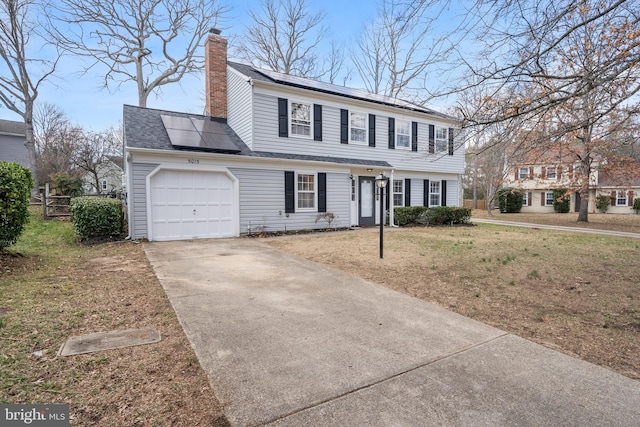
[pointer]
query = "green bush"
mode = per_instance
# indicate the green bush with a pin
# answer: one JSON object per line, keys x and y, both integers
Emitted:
{"x": 636, "y": 205}
{"x": 509, "y": 200}
{"x": 561, "y": 200}
{"x": 96, "y": 217}
{"x": 438, "y": 215}
{"x": 603, "y": 202}
{"x": 408, "y": 215}
{"x": 15, "y": 190}
{"x": 66, "y": 185}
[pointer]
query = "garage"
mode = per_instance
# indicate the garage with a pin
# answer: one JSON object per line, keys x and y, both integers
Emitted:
{"x": 192, "y": 205}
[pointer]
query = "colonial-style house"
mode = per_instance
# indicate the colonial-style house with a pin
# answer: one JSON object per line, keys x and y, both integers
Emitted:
{"x": 538, "y": 178}
{"x": 276, "y": 152}
{"x": 107, "y": 180}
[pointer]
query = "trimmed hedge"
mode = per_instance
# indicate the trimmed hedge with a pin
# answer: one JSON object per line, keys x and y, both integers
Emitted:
{"x": 509, "y": 200}
{"x": 438, "y": 215}
{"x": 96, "y": 217}
{"x": 15, "y": 191}
{"x": 636, "y": 205}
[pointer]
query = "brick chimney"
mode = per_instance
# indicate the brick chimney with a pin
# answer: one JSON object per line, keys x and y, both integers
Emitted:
{"x": 215, "y": 62}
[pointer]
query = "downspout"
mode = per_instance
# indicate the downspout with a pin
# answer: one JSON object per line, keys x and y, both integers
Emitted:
{"x": 127, "y": 174}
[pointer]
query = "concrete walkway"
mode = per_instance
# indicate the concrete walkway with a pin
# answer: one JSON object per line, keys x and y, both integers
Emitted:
{"x": 557, "y": 228}
{"x": 288, "y": 342}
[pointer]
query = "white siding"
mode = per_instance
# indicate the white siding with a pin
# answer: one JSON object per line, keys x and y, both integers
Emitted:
{"x": 139, "y": 172}
{"x": 265, "y": 119}
{"x": 239, "y": 105}
{"x": 262, "y": 202}
{"x": 12, "y": 149}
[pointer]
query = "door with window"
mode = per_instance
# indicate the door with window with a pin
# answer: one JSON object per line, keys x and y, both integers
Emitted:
{"x": 366, "y": 200}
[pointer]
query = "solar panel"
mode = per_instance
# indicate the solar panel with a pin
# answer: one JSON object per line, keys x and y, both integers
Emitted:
{"x": 342, "y": 90}
{"x": 198, "y": 134}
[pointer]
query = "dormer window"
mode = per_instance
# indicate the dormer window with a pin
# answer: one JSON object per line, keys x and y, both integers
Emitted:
{"x": 300, "y": 119}
{"x": 403, "y": 134}
{"x": 552, "y": 172}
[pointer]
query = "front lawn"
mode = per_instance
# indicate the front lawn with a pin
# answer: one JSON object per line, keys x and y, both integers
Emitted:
{"x": 56, "y": 288}
{"x": 573, "y": 292}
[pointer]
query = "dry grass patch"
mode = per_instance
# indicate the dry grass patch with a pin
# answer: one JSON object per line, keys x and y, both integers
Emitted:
{"x": 58, "y": 289}
{"x": 572, "y": 292}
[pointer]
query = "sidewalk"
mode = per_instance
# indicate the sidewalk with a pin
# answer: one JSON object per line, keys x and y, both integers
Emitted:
{"x": 557, "y": 227}
{"x": 288, "y": 342}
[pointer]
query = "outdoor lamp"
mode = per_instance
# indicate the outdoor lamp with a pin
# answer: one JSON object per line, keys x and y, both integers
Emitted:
{"x": 381, "y": 182}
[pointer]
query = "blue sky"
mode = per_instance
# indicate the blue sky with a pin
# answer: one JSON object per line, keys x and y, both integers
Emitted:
{"x": 85, "y": 104}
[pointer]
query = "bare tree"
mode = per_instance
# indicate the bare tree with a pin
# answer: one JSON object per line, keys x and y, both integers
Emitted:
{"x": 574, "y": 66}
{"x": 23, "y": 71}
{"x": 149, "y": 42}
{"x": 284, "y": 36}
{"x": 400, "y": 48}
{"x": 97, "y": 155}
{"x": 56, "y": 140}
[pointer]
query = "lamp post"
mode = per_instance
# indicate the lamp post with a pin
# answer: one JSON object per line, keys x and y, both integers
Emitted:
{"x": 381, "y": 182}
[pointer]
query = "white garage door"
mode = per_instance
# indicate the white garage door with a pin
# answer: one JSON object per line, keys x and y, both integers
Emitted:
{"x": 192, "y": 205}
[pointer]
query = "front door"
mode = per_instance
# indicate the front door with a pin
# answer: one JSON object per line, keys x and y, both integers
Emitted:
{"x": 366, "y": 201}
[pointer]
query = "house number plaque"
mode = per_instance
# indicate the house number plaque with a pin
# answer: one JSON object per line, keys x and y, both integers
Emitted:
{"x": 194, "y": 161}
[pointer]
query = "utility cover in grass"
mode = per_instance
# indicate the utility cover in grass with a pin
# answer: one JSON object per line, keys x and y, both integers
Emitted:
{"x": 108, "y": 340}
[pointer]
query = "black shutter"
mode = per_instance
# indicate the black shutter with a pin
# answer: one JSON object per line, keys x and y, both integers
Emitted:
{"x": 283, "y": 119}
{"x": 322, "y": 192}
{"x": 344, "y": 126}
{"x": 425, "y": 193}
{"x": 317, "y": 122}
{"x": 407, "y": 192}
{"x": 451, "y": 141}
{"x": 432, "y": 139}
{"x": 372, "y": 130}
{"x": 289, "y": 192}
{"x": 414, "y": 136}
{"x": 443, "y": 193}
{"x": 392, "y": 133}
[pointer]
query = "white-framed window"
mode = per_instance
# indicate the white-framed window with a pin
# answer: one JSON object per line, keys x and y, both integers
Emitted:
{"x": 306, "y": 191}
{"x": 403, "y": 134}
{"x": 442, "y": 142}
{"x": 523, "y": 173}
{"x": 621, "y": 198}
{"x": 548, "y": 201}
{"x": 552, "y": 172}
{"x": 398, "y": 192}
{"x": 358, "y": 127}
{"x": 103, "y": 184}
{"x": 525, "y": 199}
{"x": 434, "y": 193}
{"x": 300, "y": 118}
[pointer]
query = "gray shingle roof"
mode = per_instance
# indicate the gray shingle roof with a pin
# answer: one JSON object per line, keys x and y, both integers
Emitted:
{"x": 143, "y": 128}
{"x": 12, "y": 128}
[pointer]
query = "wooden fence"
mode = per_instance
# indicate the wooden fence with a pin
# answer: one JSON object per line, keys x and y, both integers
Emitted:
{"x": 54, "y": 206}
{"x": 469, "y": 204}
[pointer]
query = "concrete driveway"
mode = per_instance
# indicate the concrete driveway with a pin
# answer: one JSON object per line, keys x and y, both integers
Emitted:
{"x": 289, "y": 342}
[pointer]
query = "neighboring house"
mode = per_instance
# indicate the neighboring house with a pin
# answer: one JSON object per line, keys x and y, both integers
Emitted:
{"x": 110, "y": 178}
{"x": 537, "y": 180}
{"x": 621, "y": 188}
{"x": 12, "y": 139}
{"x": 275, "y": 151}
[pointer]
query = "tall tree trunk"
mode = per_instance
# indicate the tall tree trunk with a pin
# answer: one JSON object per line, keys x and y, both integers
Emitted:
{"x": 585, "y": 166}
